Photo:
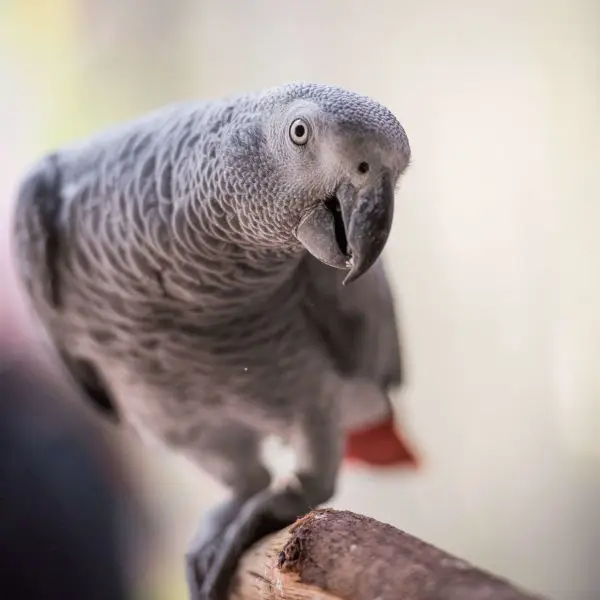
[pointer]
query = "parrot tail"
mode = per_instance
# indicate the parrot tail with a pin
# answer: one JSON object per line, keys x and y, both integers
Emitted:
{"x": 380, "y": 445}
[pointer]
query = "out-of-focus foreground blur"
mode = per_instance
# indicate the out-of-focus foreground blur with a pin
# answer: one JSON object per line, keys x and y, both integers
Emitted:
{"x": 493, "y": 254}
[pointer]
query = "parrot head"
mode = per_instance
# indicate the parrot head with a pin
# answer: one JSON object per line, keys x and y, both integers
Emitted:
{"x": 325, "y": 166}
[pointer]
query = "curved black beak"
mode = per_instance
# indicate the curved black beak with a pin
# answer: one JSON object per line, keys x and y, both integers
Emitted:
{"x": 350, "y": 230}
{"x": 367, "y": 217}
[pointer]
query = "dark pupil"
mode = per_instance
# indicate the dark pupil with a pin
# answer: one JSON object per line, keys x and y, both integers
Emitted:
{"x": 299, "y": 131}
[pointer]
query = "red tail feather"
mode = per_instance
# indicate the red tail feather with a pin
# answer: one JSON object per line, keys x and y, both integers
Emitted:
{"x": 380, "y": 445}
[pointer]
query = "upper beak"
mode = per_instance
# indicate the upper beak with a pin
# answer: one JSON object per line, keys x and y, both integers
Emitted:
{"x": 351, "y": 230}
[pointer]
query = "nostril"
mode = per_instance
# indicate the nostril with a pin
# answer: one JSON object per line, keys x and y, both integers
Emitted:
{"x": 363, "y": 167}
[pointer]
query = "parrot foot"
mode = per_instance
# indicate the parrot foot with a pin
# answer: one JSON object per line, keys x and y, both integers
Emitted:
{"x": 204, "y": 547}
{"x": 198, "y": 563}
{"x": 212, "y": 562}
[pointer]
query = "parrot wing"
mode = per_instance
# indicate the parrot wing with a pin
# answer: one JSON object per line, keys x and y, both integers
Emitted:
{"x": 357, "y": 323}
{"x": 38, "y": 253}
{"x": 358, "y": 326}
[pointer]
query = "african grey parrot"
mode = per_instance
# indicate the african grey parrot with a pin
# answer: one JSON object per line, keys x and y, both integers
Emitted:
{"x": 181, "y": 265}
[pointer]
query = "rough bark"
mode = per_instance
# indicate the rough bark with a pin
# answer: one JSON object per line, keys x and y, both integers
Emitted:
{"x": 340, "y": 555}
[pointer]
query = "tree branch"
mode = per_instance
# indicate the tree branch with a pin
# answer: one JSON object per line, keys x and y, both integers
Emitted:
{"x": 340, "y": 555}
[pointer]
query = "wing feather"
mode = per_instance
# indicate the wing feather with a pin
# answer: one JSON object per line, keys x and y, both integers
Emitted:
{"x": 38, "y": 250}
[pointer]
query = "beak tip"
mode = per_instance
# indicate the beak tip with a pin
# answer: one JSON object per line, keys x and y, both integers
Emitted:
{"x": 353, "y": 274}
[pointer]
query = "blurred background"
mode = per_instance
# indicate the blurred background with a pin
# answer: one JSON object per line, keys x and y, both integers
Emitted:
{"x": 494, "y": 253}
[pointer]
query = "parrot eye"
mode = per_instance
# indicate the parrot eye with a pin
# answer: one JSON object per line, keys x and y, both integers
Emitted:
{"x": 299, "y": 132}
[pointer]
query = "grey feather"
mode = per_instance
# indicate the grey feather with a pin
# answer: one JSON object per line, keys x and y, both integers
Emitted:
{"x": 170, "y": 259}
{"x": 358, "y": 324}
{"x": 39, "y": 207}
{"x": 86, "y": 377}
{"x": 38, "y": 210}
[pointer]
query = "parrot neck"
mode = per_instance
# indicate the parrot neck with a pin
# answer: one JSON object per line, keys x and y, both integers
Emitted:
{"x": 213, "y": 264}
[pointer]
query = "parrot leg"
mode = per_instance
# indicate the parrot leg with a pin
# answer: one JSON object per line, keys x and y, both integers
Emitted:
{"x": 233, "y": 457}
{"x": 318, "y": 444}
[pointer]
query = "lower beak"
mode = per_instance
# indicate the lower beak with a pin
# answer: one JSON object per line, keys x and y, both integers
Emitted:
{"x": 350, "y": 230}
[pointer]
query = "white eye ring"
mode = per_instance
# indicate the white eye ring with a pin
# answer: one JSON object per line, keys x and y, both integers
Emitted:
{"x": 299, "y": 132}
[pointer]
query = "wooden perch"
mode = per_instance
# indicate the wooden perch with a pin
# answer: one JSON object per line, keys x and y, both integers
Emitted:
{"x": 340, "y": 555}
